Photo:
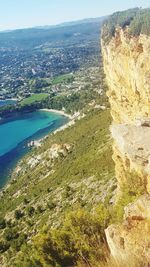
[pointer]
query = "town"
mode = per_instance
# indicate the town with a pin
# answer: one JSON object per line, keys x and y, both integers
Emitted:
{"x": 49, "y": 66}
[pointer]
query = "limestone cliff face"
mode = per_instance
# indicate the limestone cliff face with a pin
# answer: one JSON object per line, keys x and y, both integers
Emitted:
{"x": 127, "y": 68}
{"x": 129, "y": 242}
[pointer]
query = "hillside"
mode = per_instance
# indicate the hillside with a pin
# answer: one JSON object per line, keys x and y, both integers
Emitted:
{"x": 72, "y": 174}
{"x": 33, "y": 37}
{"x": 73, "y": 168}
{"x": 136, "y": 20}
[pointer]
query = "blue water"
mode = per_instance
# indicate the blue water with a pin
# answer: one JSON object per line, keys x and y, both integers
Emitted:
{"x": 17, "y": 131}
{"x": 7, "y": 102}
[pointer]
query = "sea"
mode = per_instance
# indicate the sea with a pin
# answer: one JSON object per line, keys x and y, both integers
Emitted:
{"x": 20, "y": 129}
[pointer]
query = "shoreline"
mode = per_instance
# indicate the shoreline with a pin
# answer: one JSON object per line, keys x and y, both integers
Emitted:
{"x": 73, "y": 118}
{"x": 61, "y": 112}
{"x": 13, "y": 99}
{"x": 35, "y": 142}
{"x": 38, "y": 142}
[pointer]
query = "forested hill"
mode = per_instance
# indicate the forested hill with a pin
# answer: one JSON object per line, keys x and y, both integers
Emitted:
{"x": 56, "y": 35}
{"x": 138, "y": 21}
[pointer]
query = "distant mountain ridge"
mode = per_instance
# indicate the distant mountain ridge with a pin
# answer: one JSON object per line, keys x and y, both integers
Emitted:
{"x": 63, "y": 24}
{"x": 88, "y": 20}
{"x": 32, "y": 37}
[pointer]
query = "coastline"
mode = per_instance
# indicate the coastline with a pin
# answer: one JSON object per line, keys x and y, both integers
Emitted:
{"x": 22, "y": 150}
{"x": 61, "y": 112}
{"x": 73, "y": 118}
{"x": 13, "y": 99}
{"x": 37, "y": 142}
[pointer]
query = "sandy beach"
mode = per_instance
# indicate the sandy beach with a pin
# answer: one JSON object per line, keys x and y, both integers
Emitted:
{"x": 38, "y": 142}
{"x": 61, "y": 112}
{"x": 73, "y": 118}
{"x": 14, "y": 99}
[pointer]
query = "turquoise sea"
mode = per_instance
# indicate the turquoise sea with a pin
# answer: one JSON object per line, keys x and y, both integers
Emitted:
{"x": 17, "y": 131}
{"x": 7, "y": 102}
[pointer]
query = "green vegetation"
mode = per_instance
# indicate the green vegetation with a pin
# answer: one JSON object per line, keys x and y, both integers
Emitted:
{"x": 133, "y": 188}
{"x": 72, "y": 92}
{"x": 141, "y": 23}
{"x": 40, "y": 198}
{"x": 18, "y": 214}
{"x": 67, "y": 78}
{"x": 29, "y": 104}
{"x": 72, "y": 103}
{"x": 35, "y": 98}
{"x": 38, "y": 85}
{"x": 80, "y": 240}
{"x": 138, "y": 21}
{"x": 75, "y": 101}
{"x": 2, "y": 223}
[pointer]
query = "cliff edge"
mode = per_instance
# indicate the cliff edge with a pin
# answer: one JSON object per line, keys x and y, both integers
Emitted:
{"x": 127, "y": 67}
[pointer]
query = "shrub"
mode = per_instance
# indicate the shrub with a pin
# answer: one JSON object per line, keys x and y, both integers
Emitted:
{"x": 26, "y": 201}
{"x": 80, "y": 238}
{"x": 10, "y": 234}
{"x": 18, "y": 214}
{"x": 30, "y": 211}
{"x": 2, "y": 223}
{"x": 4, "y": 246}
{"x": 17, "y": 243}
{"x": 40, "y": 209}
{"x": 51, "y": 204}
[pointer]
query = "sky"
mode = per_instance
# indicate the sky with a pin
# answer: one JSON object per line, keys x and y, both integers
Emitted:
{"x": 15, "y": 14}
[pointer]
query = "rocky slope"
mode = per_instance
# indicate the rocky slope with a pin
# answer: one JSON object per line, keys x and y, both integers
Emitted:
{"x": 127, "y": 68}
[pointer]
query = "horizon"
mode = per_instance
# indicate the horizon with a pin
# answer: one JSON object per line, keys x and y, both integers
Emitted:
{"x": 53, "y": 25}
{"x": 15, "y": 16}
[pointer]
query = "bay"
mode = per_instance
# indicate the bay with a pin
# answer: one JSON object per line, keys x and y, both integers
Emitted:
{"x": 17, "y": 131}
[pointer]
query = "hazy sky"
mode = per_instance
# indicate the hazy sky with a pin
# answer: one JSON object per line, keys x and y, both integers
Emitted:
{"x": 28, "y": 13}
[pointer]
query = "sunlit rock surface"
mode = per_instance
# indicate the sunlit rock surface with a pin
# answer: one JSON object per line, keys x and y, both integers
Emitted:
{"x": 127, "y": 68}
{"x": 130, "y": 241}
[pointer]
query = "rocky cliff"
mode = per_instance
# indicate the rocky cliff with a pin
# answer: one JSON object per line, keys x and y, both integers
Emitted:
{"x": 127, "y": 68}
